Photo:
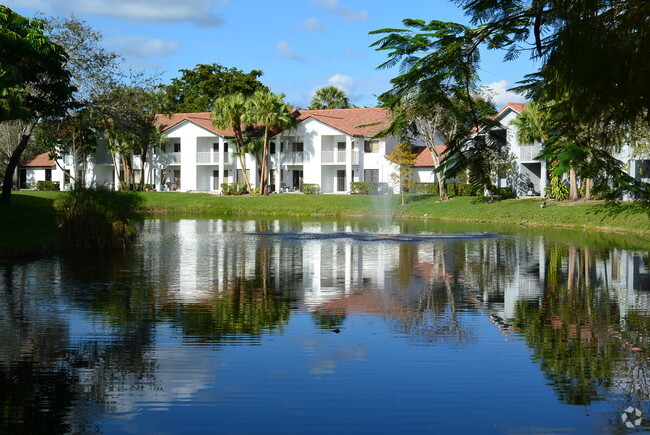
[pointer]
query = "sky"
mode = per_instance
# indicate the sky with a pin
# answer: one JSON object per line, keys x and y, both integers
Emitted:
{"x": 300, "y": 45}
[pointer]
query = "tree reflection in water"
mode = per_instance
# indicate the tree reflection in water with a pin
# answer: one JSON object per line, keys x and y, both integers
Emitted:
{"x": 78, "y": 333}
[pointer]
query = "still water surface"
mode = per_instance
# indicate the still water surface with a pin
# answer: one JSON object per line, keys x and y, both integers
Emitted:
{"x": 233, "y": 326}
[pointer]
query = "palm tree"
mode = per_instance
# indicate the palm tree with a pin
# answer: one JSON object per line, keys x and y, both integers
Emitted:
{"x": 227, "y": 112}
{"x": 329, "y": 97}
{"x": 534, "y": 124}
{"x": 268, "y": 110}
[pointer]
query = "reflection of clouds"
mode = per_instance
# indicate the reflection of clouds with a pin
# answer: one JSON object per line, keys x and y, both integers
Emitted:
{"x": 181, "y": 372}
{"x": 327, "y": 359}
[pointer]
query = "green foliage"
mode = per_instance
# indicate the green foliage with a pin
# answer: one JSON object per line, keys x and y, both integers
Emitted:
{"x": 329, "y": 97}
{"x": 47, "y": 185}
{"x": 197, "y": 89}
{"x": 233, "y": 189}
{"x": 505, "y": 193}
{"x": 404, "y": 157}
{"x": 368, "y": 188}
{"x": 310, "y": 189}
{"x": 97, "y": 219}
{"x": 464, "y": 189}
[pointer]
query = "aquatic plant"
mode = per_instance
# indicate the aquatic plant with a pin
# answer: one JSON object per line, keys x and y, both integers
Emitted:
{"x": 97, "y": 219}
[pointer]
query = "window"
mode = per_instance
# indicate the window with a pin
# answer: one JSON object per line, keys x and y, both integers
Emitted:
{"x": 272, "y": 148}
{"x": 299, "y": 147}
{"x": 177, "y": 148}
{"x": 48, "y": 175}
{"x": 371, "y": 175}
{"x": 215, "y": 147}
{"x": 371, "y": 146}
{"x": 215, "y": 180}
{"x": 340, "y": 146}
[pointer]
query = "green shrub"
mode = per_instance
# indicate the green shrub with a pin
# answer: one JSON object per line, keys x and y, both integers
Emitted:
{"x": 255, "y": 191}
{"x": 463, "y": 189}
{"x": 368, "y": 188}
{"x": 96, "y": 219}
{"x": 310, "y": 189}
{"x": 233, "y": 189}
{"x": 426, "y": 188}
{"x": 505, "y": 193}
{"x": 47, "y": 185}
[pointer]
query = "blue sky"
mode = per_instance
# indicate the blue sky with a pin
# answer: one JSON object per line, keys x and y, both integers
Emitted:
{"x": 300, "y": 45}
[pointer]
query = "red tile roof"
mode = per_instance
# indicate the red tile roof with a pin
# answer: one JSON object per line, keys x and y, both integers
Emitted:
{"x": 201, "y": 119}
{"x": 40, "y": 161}
{"x": 349, "y": 121}
{"x": 517, "y": 107}
{"x": 346, "y": 120}
{"x": 425, "y": 158}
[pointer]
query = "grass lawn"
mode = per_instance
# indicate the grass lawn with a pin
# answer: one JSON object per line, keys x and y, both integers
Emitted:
{"x": 29, "y": 222}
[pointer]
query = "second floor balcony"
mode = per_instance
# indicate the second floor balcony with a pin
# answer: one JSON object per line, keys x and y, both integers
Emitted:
{"x": 339, "y": 157}
{"x": 211, "y": 157}
{"x": 529, "y": 153}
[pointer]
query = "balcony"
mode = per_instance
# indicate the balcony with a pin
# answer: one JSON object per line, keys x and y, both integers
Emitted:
{"x": 293, "y": 158}
{"x": 339, "y": 157}
{"x": 103, "y": 159}
{"x": 210, "y": 157}
{"x": 528, "y": 153}
{"x": 68, "y": 160}
{"x": 170, "y": 158}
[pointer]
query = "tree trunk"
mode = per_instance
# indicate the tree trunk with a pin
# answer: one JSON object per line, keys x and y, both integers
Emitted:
{"x": 143, "y": 161}
{"x": 589, "y": 182}
{"x": 264, "y": 189}
{"x": 443, "y": 189}
{"x": 573, "y": 188}
{"x": 14, "y": 160}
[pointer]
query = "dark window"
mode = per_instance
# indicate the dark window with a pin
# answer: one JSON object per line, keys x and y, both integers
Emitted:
{"x": 299, "y": 147}
{"x": 272, "y": 148}
{"x": 215, "y": 147}
{"x": 177, "y": 148}
{"x": 48, "y": 175}
{"x": 371, "y": 146}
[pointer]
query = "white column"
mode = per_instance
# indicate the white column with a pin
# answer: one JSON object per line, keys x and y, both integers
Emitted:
{"x": 221, "y": 159}
{"x": 348, "y": 162}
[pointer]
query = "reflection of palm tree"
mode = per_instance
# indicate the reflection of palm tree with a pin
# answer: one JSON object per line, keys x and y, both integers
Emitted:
{"x": 326, "y": 319}
{"x": 329, "y": 97}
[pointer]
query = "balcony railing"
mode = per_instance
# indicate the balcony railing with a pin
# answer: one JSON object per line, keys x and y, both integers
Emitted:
{"x": 170, "y": 158}
{"x": 212, "y": 157}
{"x": 338, "y": 157}
{"x": 103, "y": 159}
{"x": 528, "y": 153}
{"x": 293, "y": 158}
{"x": 68, "y": 160}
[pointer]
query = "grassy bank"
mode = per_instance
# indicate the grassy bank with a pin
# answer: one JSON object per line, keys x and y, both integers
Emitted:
{"x": 28, "y": 223}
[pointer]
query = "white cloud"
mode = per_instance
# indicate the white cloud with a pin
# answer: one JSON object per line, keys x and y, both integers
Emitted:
{"x": 347, "y": 83}
{"x": 199, "y": 12}
{"x": 500, "y": 95}
{"x": 143, "y": 46}
{"x": 312, "y": 24}
{"x": 283, "y": 49}
{"x": 344, "y": 12}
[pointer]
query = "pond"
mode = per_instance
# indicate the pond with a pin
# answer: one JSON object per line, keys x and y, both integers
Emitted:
{"x": 323, "y": 326}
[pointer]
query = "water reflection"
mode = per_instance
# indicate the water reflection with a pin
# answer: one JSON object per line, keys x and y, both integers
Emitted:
{"x": 86, "y": 341}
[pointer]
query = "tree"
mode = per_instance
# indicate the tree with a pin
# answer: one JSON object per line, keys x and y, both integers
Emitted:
{"x": 404, "y": 157}
{"x": 329, "y": 97}
{"x": 572, "y": 40}
{"x": 270, "y": 112}
{"x": 33, "y": 81}
{"x": 228, "y": 112}
{"x": 197, "y": 89}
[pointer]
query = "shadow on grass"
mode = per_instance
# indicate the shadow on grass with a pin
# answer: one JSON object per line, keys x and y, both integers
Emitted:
{"x": 615, "y": 209}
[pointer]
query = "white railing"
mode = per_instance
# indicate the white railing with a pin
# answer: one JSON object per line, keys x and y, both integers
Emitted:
{"x": 68, "y": 160}
{"x": 528, "y": 153}
{"x": 293, "y": 158}
{"x": 212, "y": 157}
{"x": 338, "y": 157}
{"x": 169, "y": 158}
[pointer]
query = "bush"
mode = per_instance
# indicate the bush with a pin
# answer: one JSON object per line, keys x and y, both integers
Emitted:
{"x": 505, "y": 193}
{"x": 368, "y": 188}
{"x": 233, "y": 189}
{"x": 462, "y": 189}
{"x": 426, "y": 188}
{"x": 310, "y": 189}
{"x": 47, "y": 185}
{"x": 255, "y": 191}
{"x": 98, "y": 218}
